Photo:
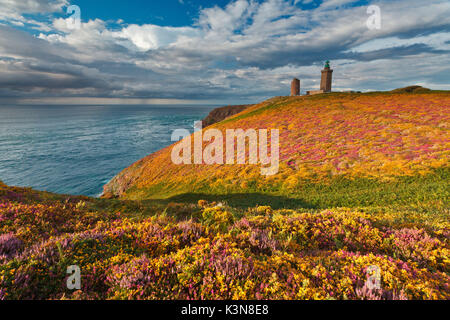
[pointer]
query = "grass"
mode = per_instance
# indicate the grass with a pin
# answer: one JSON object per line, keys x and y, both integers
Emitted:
{"x": 429, "y": 191}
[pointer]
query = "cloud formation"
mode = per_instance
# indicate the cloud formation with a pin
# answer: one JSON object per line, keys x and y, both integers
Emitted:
{"x": 245, "y": 51}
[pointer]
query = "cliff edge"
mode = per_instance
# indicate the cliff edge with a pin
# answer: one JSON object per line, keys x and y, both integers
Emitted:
{"x": 223, "y": 113}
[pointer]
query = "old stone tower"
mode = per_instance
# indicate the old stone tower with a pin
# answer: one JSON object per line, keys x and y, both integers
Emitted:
{"x": 295, "y": 87}
{"x": 327, "y": 78}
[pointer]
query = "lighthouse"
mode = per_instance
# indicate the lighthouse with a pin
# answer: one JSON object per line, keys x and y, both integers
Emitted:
{"x": 327, "y": 78}
{"x": 295, "y": 87}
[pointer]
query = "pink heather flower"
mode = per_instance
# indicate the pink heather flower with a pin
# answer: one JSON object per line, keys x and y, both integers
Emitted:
{"x": 9, "y": 245}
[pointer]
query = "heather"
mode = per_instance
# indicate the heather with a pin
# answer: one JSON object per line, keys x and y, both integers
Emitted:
{"x": 207, "y": 250}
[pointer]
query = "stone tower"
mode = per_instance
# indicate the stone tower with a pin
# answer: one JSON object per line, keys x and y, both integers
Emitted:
{"x": 327, "y": 78}
{"x": 295, "y": 87}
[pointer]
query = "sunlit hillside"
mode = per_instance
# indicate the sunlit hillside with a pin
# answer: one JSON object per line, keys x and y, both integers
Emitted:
{"x": 335, "y": 150}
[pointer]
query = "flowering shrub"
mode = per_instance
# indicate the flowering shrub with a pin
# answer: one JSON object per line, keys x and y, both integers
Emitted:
{"x": 259, "y": 253}
{"x": 9, "y": 245}
{"x": 217, "y": 218}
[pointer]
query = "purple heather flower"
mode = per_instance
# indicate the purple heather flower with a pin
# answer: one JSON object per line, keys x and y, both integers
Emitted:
{"x": 9, "y": 245}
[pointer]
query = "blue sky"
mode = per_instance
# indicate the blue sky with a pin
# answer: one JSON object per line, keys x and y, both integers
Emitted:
{"x": 165, "y": 13}
{"x": 239, "y": 51}
{"x": 176, "y": 13}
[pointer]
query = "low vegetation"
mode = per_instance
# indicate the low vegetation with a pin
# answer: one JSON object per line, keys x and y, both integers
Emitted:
{"x": 132, "y": 250}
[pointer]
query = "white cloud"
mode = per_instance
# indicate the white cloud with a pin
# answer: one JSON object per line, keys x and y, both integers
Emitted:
{"x": 13, "y": 10}
{"x": 151, "y": 37}
{"x": 223, "y": 22}
{"x": 32, "y": 6}
{"x": 327, "y": 4}
{"x": 438, "y": 41}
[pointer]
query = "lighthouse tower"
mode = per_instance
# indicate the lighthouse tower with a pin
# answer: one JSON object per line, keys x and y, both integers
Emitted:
{"x": 327, "y": 78}
{"x": 295, "y": 87}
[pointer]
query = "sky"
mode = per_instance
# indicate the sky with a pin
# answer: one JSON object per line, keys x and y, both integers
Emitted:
{"x": 215, "y": 51}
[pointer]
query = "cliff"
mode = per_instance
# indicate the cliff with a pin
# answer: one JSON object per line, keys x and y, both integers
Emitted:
{"x": 223, "y": 113}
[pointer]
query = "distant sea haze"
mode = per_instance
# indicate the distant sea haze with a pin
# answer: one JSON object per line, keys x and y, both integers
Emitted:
{"x": 77, "y": 149}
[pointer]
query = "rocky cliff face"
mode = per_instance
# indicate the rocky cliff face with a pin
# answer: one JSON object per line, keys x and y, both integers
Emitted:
{"x": 222, "y": 113}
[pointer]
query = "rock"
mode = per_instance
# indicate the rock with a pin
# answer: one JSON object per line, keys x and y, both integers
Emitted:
{"x": 222, "y": 113}
{"x": 411, "y": 89}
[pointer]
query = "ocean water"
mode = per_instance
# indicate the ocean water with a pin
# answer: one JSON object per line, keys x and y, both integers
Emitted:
{"x": 77, "y": 149}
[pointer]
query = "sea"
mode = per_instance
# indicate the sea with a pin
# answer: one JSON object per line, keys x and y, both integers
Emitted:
{"x": 78, "y": 149}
